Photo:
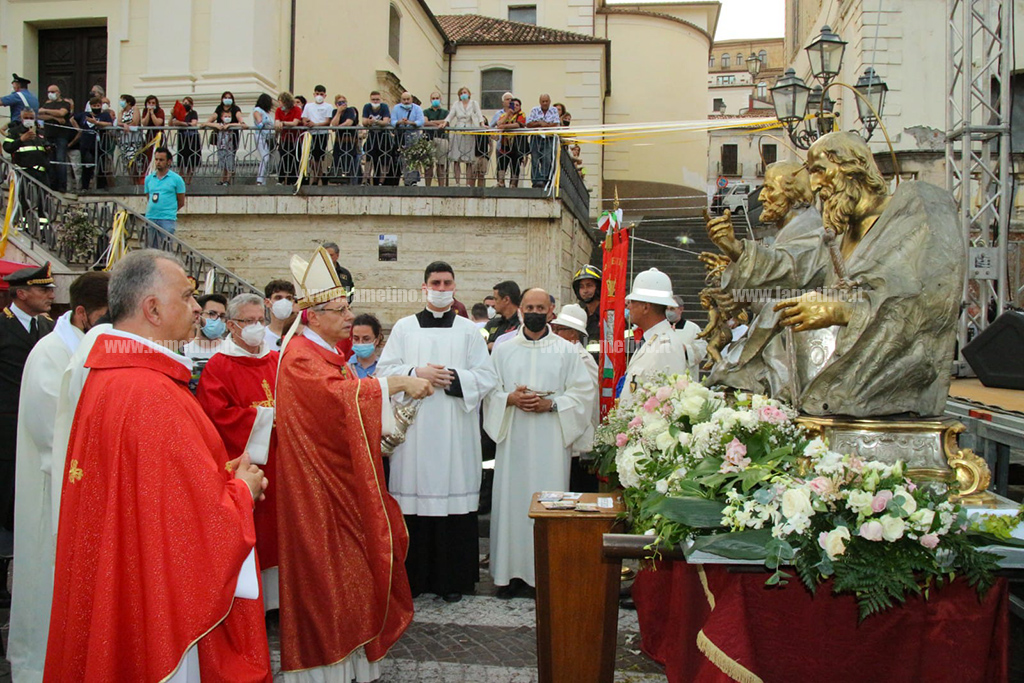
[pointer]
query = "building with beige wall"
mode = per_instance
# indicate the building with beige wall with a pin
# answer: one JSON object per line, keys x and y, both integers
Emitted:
{"x": 731, "y": 88}
{"x": 608, "y": 63}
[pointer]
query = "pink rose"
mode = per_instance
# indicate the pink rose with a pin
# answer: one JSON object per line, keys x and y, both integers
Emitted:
{"x": 666, "y": 409}
{"x": 682, "y": 383}
{"x": 771, "y": 414}
{"x": 929, "y": 541}
{"x": 820, "y": 485}
{"x": 652, "y": 404}
{"x": 735, "y": 459}
{"x": 880, "y": 500}
{"x": 822, "y": 537}
{"x": 621, "y": 439}
{"x": 871, "y": 531}
{"x": 855, "y": 464}
{"x": 911, "y": 486}
{"x": 636, "y": 422}
{"x": 663, "y": 393}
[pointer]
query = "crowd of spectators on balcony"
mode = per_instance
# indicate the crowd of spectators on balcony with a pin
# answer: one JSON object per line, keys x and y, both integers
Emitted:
{"x": 404, "y": 141}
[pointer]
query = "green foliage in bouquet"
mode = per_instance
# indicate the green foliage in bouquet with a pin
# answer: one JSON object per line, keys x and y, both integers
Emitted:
{"x": 76, "y": 235}
{"x": 735, "y": 476}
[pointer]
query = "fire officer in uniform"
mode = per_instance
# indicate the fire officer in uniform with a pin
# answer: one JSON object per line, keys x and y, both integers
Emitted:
{"x": 662, "y": 350}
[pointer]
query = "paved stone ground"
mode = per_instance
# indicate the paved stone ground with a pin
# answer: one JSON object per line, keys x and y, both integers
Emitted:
{"x": 483, "y": 639}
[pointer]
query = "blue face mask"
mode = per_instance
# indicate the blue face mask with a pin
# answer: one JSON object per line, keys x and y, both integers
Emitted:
{"x": 363, "y": 350}
{"x": 436, "y": 103}
{"x": 464, "y": 96}
{"x": 213, "y": 328}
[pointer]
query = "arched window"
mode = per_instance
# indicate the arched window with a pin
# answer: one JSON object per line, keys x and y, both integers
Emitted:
{"x": 740, "y": 61}
{"x": 763, "y": 56}
{"x": 762, "y": 90}
{"x": 711, "y": 62}
{"x": 493, "y": 84}
{"x": 725, "y": 61}
{"x": 394, "y": 33}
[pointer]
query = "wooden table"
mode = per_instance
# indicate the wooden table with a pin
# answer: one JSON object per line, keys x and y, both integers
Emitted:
{"x": 577, "y": 592}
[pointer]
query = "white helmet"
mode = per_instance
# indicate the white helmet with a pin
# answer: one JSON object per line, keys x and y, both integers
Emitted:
{"x": 652, "y": 286}
{"x": 572, "y": 316}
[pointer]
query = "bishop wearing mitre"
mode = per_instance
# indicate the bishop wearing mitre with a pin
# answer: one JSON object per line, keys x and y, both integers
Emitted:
{"x": 345, "y": 597}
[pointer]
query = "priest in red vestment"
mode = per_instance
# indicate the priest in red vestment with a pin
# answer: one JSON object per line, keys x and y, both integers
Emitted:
{"x": 345, "y": 597}
{"x": 152, "y": 581}
{"x": 237, "y": 385}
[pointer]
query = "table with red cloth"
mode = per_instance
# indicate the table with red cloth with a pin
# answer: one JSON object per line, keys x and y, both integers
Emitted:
{"x": 705, "y": 623}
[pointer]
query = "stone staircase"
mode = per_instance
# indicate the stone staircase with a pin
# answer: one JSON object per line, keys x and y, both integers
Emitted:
{"x": 686, "y": 272}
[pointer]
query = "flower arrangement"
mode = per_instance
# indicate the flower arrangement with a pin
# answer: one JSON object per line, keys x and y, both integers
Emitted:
{"x": 421, "y": 154}
{"x": 737, "y": 477}
{"x": 77, "y": 235}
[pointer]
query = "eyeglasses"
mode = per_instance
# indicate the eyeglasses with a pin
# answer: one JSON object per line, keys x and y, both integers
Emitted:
{"x": 341, "y": 103}
{"x": 247, "y": 322}
{"x": 214, "y": 315}
{"x": 334, "y": 310}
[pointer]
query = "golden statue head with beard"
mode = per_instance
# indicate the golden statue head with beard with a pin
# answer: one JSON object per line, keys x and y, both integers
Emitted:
{"x": 853, "y": 192}
{"x": 787, "y": 187}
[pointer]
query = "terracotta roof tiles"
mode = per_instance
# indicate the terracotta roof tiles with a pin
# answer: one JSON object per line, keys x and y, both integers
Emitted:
{"x": 473, "y": 29}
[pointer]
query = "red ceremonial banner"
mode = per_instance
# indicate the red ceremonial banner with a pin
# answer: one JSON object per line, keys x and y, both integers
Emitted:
{"x": 614, "y": 287}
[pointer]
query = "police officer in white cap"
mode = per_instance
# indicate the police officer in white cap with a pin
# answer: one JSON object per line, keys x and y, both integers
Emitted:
{"x": 571, "y": 325}
{"x": 663, "y": 350}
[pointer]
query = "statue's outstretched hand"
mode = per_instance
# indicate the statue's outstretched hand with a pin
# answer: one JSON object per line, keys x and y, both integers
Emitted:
{"x": 811, "y": 311}
{"x": 721, "y": 232}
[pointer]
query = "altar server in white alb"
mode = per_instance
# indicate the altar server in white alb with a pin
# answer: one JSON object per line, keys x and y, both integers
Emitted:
{"x": 663, "y": 350}
{"x": 34, "y": 522}
{"x": 544, "y": 402}
{"x": 435, "y": 474}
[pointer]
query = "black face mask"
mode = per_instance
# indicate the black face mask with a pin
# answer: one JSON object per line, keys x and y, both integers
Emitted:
{"x": 535, "y": 322}
{"x": 188, "y": 107}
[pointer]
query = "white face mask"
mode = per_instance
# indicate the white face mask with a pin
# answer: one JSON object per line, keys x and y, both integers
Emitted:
{"x": 105, "y": 106}
{"x": 253, "y": 334}
{"x": 440, "y": 300}
{"x": 282, "y": 309}
{"x": 319, "y": 99}
{"x": 672, "y": 315}
{"x": 51, "y": 96}
{"x": 491, "y": 312}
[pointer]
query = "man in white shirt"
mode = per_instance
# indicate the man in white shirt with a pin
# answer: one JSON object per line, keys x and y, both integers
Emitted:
{"x": 663, "y": 350}
{"x": 318, "y": 114}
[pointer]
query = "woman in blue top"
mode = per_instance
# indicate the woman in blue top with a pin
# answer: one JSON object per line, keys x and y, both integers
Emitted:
{"x": 367, "y": 341}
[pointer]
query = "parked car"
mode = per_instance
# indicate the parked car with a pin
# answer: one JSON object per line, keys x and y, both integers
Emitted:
{"x": 733, "y": 197}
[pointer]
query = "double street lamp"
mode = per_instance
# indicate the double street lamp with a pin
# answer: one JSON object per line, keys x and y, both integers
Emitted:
{"x": 808, "y": 113}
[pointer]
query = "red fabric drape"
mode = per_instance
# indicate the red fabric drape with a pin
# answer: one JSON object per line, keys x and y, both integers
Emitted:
{"x": 614, "y": 287}
{"x": 786, "y": 634}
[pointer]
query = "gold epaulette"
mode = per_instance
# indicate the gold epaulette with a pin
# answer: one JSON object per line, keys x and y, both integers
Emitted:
{"x": 47, "y": 316}
{"x": 8, "y": 313}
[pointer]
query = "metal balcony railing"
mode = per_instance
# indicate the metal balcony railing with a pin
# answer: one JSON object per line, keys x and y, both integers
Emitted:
{"x": 78, "y": 232}
{"x": 337, "y": 156}
{"x": 729, "y": 170}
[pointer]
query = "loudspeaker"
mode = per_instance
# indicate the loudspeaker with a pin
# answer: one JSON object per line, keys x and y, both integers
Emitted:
{"x": 997, "y": 354}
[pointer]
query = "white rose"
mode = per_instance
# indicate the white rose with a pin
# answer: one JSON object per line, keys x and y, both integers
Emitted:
{"x": 892, "y": 528}
{"x": 661, "y": 485}
{"x": 654, "y": 426}
{"x": 923, "y": 519}
{"x": 815, "y": 448}
{"x": 860, "y": 502}
{"x": 665, "y": 441}
{"x": 909, "y": 504}
{"x": 747, "y": 419}
{"x": 796, "y": 503}
{"x": 834, "y": 542}
{"x": 685, "y": 438}
{"x": 759, "y": 401}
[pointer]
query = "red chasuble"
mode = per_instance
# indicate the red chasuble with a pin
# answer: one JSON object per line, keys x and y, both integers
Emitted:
{"x": 341, "y": 535}
{"x": 230, "y": 390}
{"x": 152, "y": 536}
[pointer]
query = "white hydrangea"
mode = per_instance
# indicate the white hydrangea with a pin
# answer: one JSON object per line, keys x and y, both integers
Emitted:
{"x": 625, "y": 464}
{"x": 816, "y": 448}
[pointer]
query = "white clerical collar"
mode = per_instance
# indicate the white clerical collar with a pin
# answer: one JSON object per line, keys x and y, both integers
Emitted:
{"x": 229, "y": 348}
{"x": 24, "y": 318}
{"x": 318, "y": 340}
{"x": 187, "y": 362}
{"x": 439, "y": 314}
{"x": 68, "y": 333}
{"x": 664, "y": 327}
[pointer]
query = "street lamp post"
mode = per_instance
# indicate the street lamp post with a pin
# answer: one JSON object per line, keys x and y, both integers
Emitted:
{"x": 796, "y": 103}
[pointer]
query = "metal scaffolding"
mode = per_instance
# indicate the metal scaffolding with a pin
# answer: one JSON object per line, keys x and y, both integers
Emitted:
{"x": 978, "y": 170}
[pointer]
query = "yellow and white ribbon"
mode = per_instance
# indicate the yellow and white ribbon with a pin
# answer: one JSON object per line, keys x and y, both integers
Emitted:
{"x": 306, "y": 144}
{"x": 118, "y": 244}
{"x": 12, "y": 208}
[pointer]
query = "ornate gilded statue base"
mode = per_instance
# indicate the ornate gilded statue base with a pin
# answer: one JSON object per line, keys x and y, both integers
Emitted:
{"x": 928, "y": 446}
